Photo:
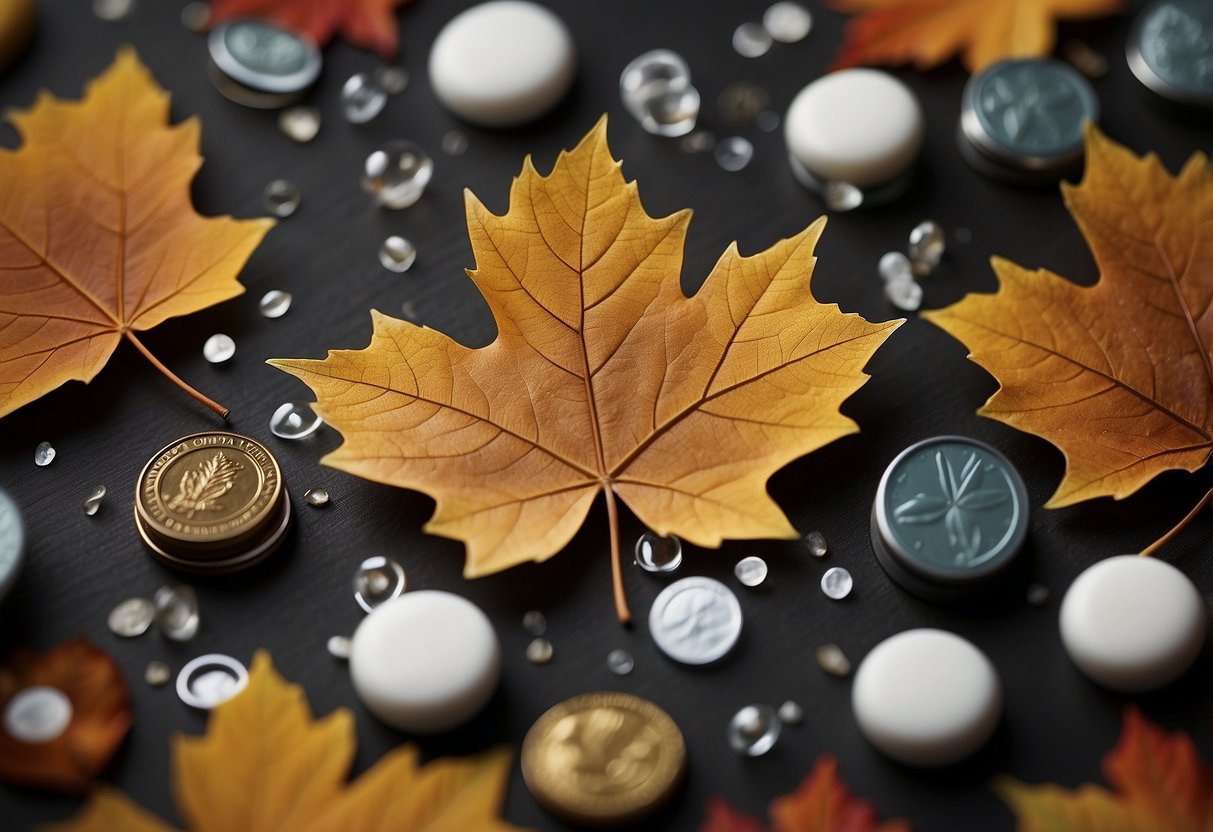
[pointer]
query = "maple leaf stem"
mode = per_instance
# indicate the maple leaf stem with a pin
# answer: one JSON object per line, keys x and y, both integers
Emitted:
{"x": 621, "y": 597}
{"x": 1153, "y": 548}
{"x": 176, "y": 379}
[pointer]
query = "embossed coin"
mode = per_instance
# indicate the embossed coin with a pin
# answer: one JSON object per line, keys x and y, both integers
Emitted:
{"x": 603, "y": 759}
{"x": 695, "y": 620}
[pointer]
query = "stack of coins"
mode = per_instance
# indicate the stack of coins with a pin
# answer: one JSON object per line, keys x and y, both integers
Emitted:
{"x": 212, "y": 502}
{"x": 258, "y": 64}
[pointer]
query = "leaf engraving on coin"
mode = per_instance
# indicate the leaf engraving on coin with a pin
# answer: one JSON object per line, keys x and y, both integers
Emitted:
{"x": 201, "y": 488}
{"x": 960, "y": 494}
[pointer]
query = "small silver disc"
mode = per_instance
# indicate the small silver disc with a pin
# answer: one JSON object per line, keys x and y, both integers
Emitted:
{"x": 695, "y": 620}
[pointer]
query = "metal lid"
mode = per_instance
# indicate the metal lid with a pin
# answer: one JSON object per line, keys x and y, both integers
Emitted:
{"x": 1170, "y": 50}
{"x": 12, "y": 544}
{"x": 263, "y": 57}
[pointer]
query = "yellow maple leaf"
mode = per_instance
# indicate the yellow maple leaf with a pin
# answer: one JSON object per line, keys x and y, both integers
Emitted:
{"x": 98, "y": 239}
{"x": 604, "y": 377}
{"x": 266, "y": 765}
{"x": 982, "y": 32}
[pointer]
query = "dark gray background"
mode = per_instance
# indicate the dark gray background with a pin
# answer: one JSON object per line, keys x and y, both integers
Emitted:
{"x": 1057, "y": 725}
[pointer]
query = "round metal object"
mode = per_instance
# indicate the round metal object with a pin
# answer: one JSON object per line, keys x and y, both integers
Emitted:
{"x": 258, "y": 64}
{"x": 12, "y": 544}
{"x": 1170, "y": 50}
{"x": 695, "y": 620}
{"x": 210, "y": 680}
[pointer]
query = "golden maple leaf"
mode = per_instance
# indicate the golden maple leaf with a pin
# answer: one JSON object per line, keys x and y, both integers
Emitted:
{"x": 604, "y": 377}
{"x": 266, "y": 765}
{"x": 1160, "y": 781}
{"x": 98, "y": 239}
{"x": 982, "y": 32}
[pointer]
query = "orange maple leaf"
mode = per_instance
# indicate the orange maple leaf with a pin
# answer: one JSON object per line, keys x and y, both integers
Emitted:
{"x": 370, "y": 24}
{"x": 929, "y": 32}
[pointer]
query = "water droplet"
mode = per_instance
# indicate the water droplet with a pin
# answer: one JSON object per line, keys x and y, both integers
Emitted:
{"x": 655, "y": 553}
{"x": 836, "y": 583}
{"x": 157, "y": 674}
{"x": 131, "y": 618}
{"x": 1038, "y": 595}
{"x": 112, "y": 11}
{"x": 300, "y": 124}
{"x": 620, "y": 662}
{"x": 397, "y": 173}
{"x": 535, "y": 623}
{"x": 790, "y": 713}
{"x": 316, "y": 497}
{"x": 833, "y": 661}
{"x": 196, "y": 17}
{"x": 218, "y": 348}
{"x": 274, "y": 303}
{"x": 751, "y": 40}
{"x": 44, "y": 454}
{"x": 701, "y": 141}
{"x": 93, "y": 501}
{"x": 339, "y": 647}
{"x": 895, "y": 266}
{"x": 362, "y": 98}
{"x": 377, "y": 580}
{"x": 753, "y": 730}
{"x": 815, "y": 542}
{"x": 454, "y": 143}
{"x": 767, "y": 121}
{"x": 294, "y": 420}
{"x": 397, "y": 254}
{"x": 740, "y": 103}
{"x": 905, "y": 294}
{"x": 539, "y": 651}
{"x": 656, "y": 89}
{"x": 751, "y": 571}
{"x": 841, "y": 196}
{"x": 177, "y": 612}
{"x": 734, "y": 153}
{"x": 787, "y": 22}
{"x": 37, "y": 714}
{"x": 281, "y": 198}
{"x": 393, "y": 80}
{"x": 927, "y": 243}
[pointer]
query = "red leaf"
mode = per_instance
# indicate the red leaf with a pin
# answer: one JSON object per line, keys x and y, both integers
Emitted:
{"x": 823, "y": 803}
{"x": 724, "y": 818}
{"x": 370, "y": 24}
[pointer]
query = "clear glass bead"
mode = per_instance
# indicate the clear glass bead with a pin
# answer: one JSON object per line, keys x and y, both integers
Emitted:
{"x": 281, "y": 198}
{"x": 833, "y": 661}
{"x": 219, "y": 348}
{"x": 362, "y": 98}
{"x": 316, "y": 497}
{"x": 112, "y": 11}
{"x": 787, "y": 22}
{"x": 927, "y": 243}
{"x": 157, "y": 674}
{"x": 815, "y": 543}
{"x": 535, "y": 623}
{"x": 754, "y": 730}
{"x": 656, "y": 89}
{"x": 836, "y": 583}
{"x": 751, "y": 40}
{"x": 397, "y": 254}
{"x": 734, "y": 153}
{"x": 196, "y": 16}
{"x": 1038, "y": 595}
{"x": 44, "y": 454}
{"x": 37, "y": 715}
{"x": 300, "y": 124}
{"x": 655, "y": 553}
{"x": 895, "y": 266}
{"x": 294, "y": 420}
{"x": 905, "y": 294}
{"x": 397, "y": 173}
{"x": 92, "y": 503}
{"x": 177, "y": 612}
{"x": 751, "y": 571}
{"x": 131, "y": 617}
{"x": 539, "y": 651}
{"x": 454, "y": 143}
{"x": 620, "y": 662}
{"x": 841, "y": 196}
{"x": 790, "y": 713}
{"x": 274, "y": 303}
{"x": 339, "y": 647}
{"x": 377, "y": 580}
{"x": 741, "y": 103}
{"x": 393, "y": 80}
{"x": 701, "y": 141}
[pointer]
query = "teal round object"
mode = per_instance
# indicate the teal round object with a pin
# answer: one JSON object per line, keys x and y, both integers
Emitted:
{"x": 950, "y": 517}
{"x": 258, "y": 64}
{"x": 1171, "y": 50}
{"x": 12, "y": 544}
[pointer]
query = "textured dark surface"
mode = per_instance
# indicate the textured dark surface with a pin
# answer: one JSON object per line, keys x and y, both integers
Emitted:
{"x": 1057, "y": 725}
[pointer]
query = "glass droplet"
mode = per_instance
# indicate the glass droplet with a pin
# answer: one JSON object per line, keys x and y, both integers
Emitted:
{"x": 196, "y": 17}
{"x": 927, "y": 243}
{"x": 112, "y": 11}
{"x": 751, "y": 571}
{"x": 397, "y": 254}
{"x": 339, "y": 647}
{"x": 701, "y": 141}
{"x": 362, "y": 98}
{"x": 177, "y": 612}
{"x": 219, "y": 348}
{"x": 37, "y": 714}
{"x": 655, "y": 553}
{"x": 294, "y": 420}
{"x": 751, "y": 40}
{"x": 836, "y": 583}
{"x": 841, "y": 196}
{"x": 454, "y": 143}
{"x": 767, "y": 121}
{"x": 535, "y": 623}
{"x": 93, "y": 501}
{"x": 44, "y": 454}
{"x": 787, "y": 22}
{"x": 274, "y": 303}
{"x": 815, "y": 543}
{"x": 396, "y": 174}
{"x": 157, "y": 674}
{"x": 741, "y": 103}
{"x": 539, "y": 651}
{"x": 620, "y": 662}
{"x": 656, "y": 89}
{"x": 131, "y": 618}
{"x": 833, "y": 661}
{"x": 300, "y": 124}
{"x": 393, "y": 80}
{"x": 905, "y": 294}
{"x": 316, "y": 497}
{"x": 790, "y": 713}
{"x": 895, "y": 266}
{"x": 753, "y": 730}
{"x": 734, "y": 153}
{"x": 377, "y": 580}
{"x": 1038, "y": 595}
{"x": 281, "y": 198}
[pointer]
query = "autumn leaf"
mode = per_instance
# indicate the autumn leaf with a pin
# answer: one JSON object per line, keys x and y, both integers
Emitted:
{"x": 98, "y": 239}
{"x": 101, "y": 716}
{"x": 370, "y": 24}
{"x": 1160, "y": 784}
{"x": 982, "y": 32}
{"x": 604, "y": 378}
{"x": 822, "y": 803}
{"x": 265, "y": 764}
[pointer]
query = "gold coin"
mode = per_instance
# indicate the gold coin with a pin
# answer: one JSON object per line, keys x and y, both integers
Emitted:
{"x": 603, "y": 758}
{"x": 228, "y": 560}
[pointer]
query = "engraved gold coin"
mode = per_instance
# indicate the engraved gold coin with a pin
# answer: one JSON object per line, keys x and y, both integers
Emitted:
{"x": 604, "y": 758}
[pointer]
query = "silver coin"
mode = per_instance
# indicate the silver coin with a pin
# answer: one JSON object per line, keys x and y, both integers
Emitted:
{"x": 132, "y": 617}
{"x": 210, "y": 680}
{"x": 695, "y": 620}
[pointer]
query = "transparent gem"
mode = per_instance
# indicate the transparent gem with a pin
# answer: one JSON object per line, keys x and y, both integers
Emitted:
{"x": 751, "y": 571}
{"x": 316, "y": 497}
{"x": 535, "y": 623}
{"x": 113, "y": 10}
{"x": 157, "y": 674}
{"x": 833, "y": 661}
{"x": 734, "y": 153}
{"x": 655, "y": 553}
{"x": 131, "y": 618}
{"x": 905, "y": 294}
{"x": 815, "y": 542}
{"x": 196, "y": 17}
{"x": 1038, "y": 595}
{"x": 741, "y": 103}
{"x": 377, "y": 580}
{"x": 93, "y": 501}
{"x": 44, "y": 454}
{"x": 620, "y": 662}
{"x": 767, "y": 121}
{"x": 790, "y": 713}
{"x": 656, "y": 89}
{"x": 218, "y": 348}
{"x": 836, "y": 583}
{"x": 274, "y": 303}
{"x": 539, "y": 651}
{"x": 701, "y": 141}
{"x": 300, "y": 124}
{"x": 339, "y": 647}
{"x": 927, "y": 242}
{"x": 362, "y": 98}
{"x": 177, "y": 612}
{"x": 37, "y": 714}
{"x": 751, "y": 40}
{"x": 397, "y": 173}
{"x": 895, "y": 266}
{"x": 393, "y": 80}
{"x": 753, "y": 730}
{"x": 294, "y": 420}
{"x": 787, "y": 22}
{"x": 281, "y": 198}
{"x": 397, "y": 254}
{"x": 841, "y": 196}
{"x": 454, "y": 143}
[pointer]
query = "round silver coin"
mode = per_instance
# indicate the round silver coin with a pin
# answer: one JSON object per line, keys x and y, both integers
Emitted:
{"x": 131, "y": 617}
{"x": 210, "y": 680}
{"x": 12, "y": 544}
{"x": 695, "y": 620}
{"x": 258, "y": 64}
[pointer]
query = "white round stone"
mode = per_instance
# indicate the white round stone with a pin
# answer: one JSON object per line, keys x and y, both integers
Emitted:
{"x": 502, "y": 63}
{"x": 926, "y": 697}
{"x": 861, "y": 126}
{"x": 1132, "y": 623}
{"x": 426, "y": 661}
